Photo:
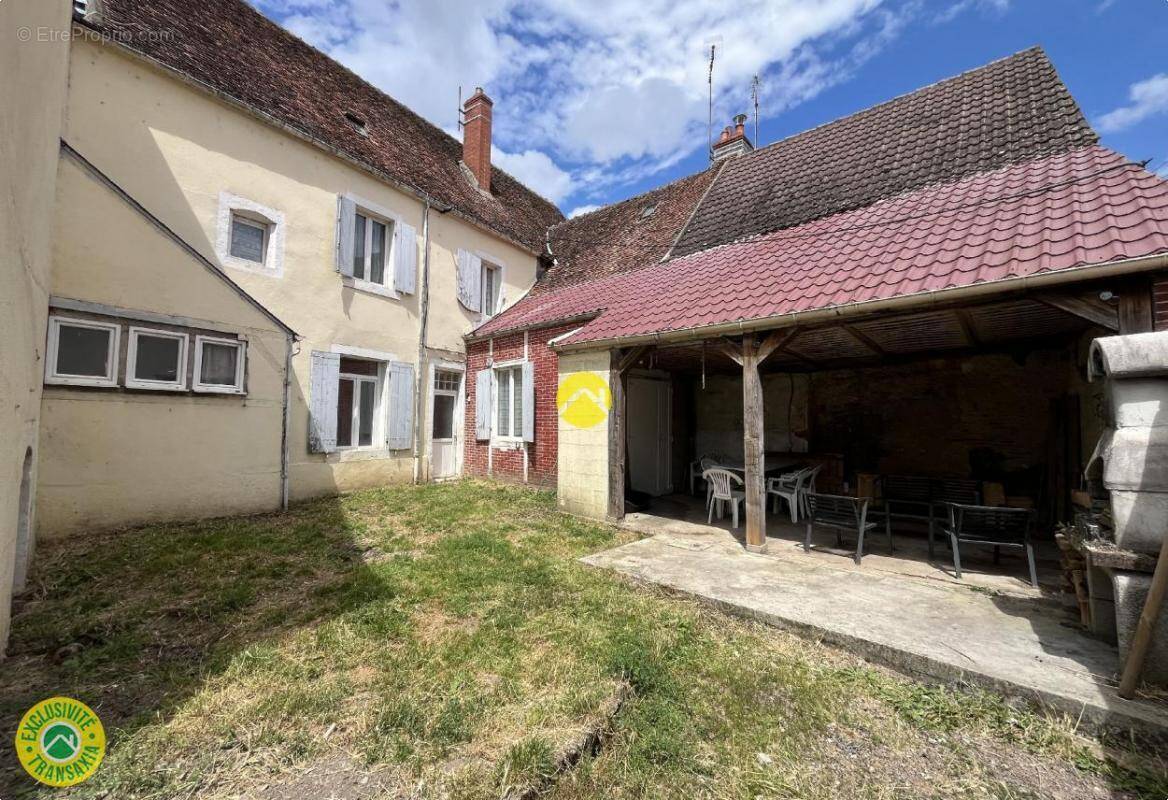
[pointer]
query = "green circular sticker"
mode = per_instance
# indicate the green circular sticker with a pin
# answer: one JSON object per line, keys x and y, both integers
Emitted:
{"x": 60, "y": 741}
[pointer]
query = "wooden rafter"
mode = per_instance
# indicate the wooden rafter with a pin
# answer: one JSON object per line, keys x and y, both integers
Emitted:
{"x": 632, "y": 357}
{"x": 1091, "y": 309}
{"x": 863, "y": 339}
{"x": 968, "y": 328}
{"x": 777, "y": 340}
{"x": 729, "y": 349}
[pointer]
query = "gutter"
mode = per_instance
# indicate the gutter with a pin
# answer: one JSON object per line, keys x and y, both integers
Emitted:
{"x": 920, "y": 300}
{"x": 423, "y": 324}
{"x": 285, "y": 421}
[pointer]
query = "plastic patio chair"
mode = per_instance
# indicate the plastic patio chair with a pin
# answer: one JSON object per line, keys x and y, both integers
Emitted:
{"x": 788, "y": 487}
{"x": 721, "y": 483}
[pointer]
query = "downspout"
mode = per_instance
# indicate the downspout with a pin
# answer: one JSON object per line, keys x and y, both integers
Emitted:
{"x": 423, "y": 321}
{"x": 290, "y": 343}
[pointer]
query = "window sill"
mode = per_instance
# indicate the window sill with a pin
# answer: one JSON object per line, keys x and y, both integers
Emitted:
{"x": 246, "y": 265}
{"x": 219, "y": 390}
{"x": 507, "y": 444}
{"x": 364, "y": 454}
{"x": 359, "y": 285}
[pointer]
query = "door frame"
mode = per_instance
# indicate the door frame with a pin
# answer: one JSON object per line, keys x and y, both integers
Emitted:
{"x": 458, "y": 423}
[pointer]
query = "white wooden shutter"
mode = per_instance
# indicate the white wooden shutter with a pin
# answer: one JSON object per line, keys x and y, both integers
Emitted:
{"x": 405, "y": 258}
{"x": 324, "y": 377}
{"x": 484, "y": 404}
{"x": 346, "y": 222}
{"x": 401, "y": 406}
{"x": 528, "y": 401}
{"x": 470, "y": 276}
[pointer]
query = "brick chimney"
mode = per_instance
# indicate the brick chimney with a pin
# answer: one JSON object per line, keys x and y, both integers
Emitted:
{"x": 476, "y": 137}
{"x": 733, "y": 141}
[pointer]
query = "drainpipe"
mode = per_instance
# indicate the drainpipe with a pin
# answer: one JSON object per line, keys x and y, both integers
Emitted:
{"x": 423, "y": 321}
{"x": 289, "y": 346}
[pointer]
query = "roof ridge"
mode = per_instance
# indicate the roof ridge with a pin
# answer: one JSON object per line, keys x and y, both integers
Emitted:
{"x": 940, "y": 82}
{"x": 642, "y": 195}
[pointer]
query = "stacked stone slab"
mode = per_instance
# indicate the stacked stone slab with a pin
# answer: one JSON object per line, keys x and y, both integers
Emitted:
{"x": 1134, "y": 451}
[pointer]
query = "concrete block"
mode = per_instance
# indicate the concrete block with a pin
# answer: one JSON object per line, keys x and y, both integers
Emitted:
{"x": 1141, "y": 520}
{"x": 1134, "y": 355}
{"x": 1136, "y": 459}
{"x": 1131, "y": 589}
{"x": 1138, "y": 403}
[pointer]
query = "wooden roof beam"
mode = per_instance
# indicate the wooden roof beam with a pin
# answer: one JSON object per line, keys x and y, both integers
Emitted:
{"x": 1091, "y": 309}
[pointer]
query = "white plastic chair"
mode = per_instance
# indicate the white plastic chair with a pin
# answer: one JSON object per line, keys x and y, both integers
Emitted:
{"x": 721, "y": 483}
{"x": 789, "y": 487}
{"x": 704, "y": 463}
{"x": 809, "y": 487}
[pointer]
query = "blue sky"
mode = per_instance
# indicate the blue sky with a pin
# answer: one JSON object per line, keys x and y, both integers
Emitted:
{"x": 599, "y": 101}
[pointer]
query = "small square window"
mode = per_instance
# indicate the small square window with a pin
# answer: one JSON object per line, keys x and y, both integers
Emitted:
{"x": 219, "y": 365}
{"x": 156, "y": 360}
{"x": 82, "y": 352}
{"x": 249, "y": 238}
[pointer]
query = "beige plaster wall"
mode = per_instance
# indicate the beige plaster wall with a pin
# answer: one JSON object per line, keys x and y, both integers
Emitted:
{"x": 33, "y": 67}
{"x": 116, "y": 456}
{"x": 175, "y": 148}
{"x": 583, "y": 470}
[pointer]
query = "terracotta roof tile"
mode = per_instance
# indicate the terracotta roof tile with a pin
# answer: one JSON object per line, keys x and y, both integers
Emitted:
{"x": 1086, "y": 206}
{"x": 1007, "y": 112}
{"x": 234, "y": 49}
{"x": 625, "y": 235}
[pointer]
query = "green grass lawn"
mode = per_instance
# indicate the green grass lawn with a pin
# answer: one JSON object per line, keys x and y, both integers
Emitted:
{"x": 444, "y": 641}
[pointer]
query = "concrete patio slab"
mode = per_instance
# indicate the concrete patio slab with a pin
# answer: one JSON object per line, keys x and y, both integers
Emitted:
{"x": 1021, "y": 646}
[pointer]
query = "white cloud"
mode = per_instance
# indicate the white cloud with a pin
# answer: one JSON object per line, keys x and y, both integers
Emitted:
{"x": 1163, "y": 171}
{"x": 1147, "y": 98}
{"x": 961, "y": 6}
{"x": 588, "y": 208}
{"x": 536, "y": 170}
{"x": 590, "y": 94}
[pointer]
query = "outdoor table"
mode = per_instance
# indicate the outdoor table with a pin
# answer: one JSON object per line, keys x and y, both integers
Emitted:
{"x": 772, "y": 462}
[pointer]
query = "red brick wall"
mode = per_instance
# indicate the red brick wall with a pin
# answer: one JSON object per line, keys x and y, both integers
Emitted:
{"x": 1160, "y": 302}
{"x": 508, "y": 464}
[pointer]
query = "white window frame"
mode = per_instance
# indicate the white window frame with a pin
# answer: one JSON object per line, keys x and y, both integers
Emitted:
{"x": 112, "y": 354}
{"x": 513, "y": 369}
{"x": 233, "y": 206}
{"x": 497, "y": 269}
{"x": 375, "y": 211}
{"x": 377, "y": 436}
{"x": 250, "y": 221}
{"x": 197, "y": 384}
{"x": 132, "y": 360}
{"x": 390, "y": 227}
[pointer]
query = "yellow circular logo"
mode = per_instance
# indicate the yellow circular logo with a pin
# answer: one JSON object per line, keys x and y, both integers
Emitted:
{"x": 60, "y": 741}
{"x": 584, "y": 399}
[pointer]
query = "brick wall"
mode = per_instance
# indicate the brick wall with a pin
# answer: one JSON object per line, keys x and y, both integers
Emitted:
{"x": 507, "y": 464}
{"x": 1160, "y": 302}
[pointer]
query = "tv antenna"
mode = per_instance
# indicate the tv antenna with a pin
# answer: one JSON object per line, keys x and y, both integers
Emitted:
{"x": 754, "y": 87}
{"x": 712, "y": 43}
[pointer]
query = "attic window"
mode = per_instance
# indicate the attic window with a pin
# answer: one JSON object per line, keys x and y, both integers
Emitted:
{"x": 357, "y": 122}
{"x": 648, "y": 210}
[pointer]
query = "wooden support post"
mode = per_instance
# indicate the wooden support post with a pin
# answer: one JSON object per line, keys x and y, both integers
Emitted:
{"x": 752, "y": 442}
{"x": 1138, "y": 650}
{"x": 616, "y": 440}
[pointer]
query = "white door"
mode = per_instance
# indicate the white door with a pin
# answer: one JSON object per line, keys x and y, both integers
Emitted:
{"x": 648, "y": 423}
{"x": 444, "y": 427}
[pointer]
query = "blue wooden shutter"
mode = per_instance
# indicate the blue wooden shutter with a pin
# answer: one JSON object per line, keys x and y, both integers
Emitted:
{"x": 324, "y": 378}
{"x": 484, "y": 404}
{"x": 401, "y": 406}
{"x": 346, "y": 222}
{"x": 405, "y": 258}
{"x": 528, "y": 401}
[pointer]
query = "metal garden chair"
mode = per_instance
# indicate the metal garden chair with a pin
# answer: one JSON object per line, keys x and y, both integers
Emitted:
{"x": 844, "y": 514}
{"x": 990, "y": 525}
{"x": 721, "y": 483}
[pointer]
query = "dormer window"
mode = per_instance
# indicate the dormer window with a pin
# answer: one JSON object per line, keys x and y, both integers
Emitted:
{"x": 357, "y": 122}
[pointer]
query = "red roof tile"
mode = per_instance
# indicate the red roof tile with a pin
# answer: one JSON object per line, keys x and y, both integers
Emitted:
{"x": 232, "y": 48}
{"x": 1086, "y": 206}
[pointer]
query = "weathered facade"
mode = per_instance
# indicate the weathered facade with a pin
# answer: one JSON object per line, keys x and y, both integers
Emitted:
{"x": 28, "y": 169}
